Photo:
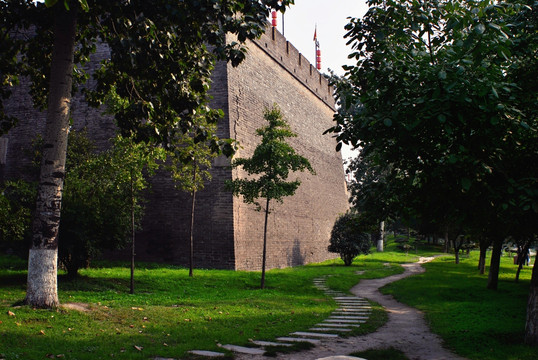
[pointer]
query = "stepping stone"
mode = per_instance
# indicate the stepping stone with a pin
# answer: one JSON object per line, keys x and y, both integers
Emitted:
{"x": 206, "y": 353}
{"x": 269, "y": 343}
{"x": 244, "y": 350}
{"x": 358, "y": 303}
{"x": 347, "y": 317}
{"x": 304, "y": 333}
{"x": 341, "y": 357}
{"x": 328, "y": 329}
{"x": 344, "y": 321}
{"x": 161, "y": 358}
{"x": 346, "y": 298}
{"x": 337, "y": 325}
{"x": 294, "y": 339}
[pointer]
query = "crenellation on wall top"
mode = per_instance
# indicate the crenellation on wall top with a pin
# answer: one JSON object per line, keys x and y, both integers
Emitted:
{"x": 274, "y": 44}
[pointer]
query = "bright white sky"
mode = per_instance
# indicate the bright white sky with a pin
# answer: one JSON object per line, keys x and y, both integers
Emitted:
{"x": 330, "y": 17}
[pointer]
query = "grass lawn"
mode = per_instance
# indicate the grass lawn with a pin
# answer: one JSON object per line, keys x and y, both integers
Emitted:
{"x": 473, "y": 321}
{"x": 170, "y": 312}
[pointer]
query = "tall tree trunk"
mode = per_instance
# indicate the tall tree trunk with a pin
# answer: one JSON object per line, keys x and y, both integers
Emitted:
{"x": 531, "y": 325}
{"x": 191, "y": 230}
{"x": 521, "y": 258}
{"x": 133, "y": 252}
{"x": 262, "y": 286}
{"x": 42, "y": 288}
{"x": 484, "y": 243}
{"x": 380, "y": 241}
{"x": 447, "y": 243}
{"x": 495, "y": 264}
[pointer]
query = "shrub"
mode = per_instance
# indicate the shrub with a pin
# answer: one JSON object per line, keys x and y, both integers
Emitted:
{"x": 349, "y": 238}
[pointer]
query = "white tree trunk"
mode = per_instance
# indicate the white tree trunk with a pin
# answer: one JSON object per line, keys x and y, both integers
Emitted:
{"x": 42, "y": 278}
{"x": 381, "y": 239}
{"x": 42, "y": 265}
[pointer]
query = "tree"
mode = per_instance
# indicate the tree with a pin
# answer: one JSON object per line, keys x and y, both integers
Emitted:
{"x": 159, "y": 67}
{"x": 102, "y": 203}
{"x": 439, "y": 84}
{"x": 349, "y": 238}
{"x": 271, "y": 163}
{"x": 190, "y": 164}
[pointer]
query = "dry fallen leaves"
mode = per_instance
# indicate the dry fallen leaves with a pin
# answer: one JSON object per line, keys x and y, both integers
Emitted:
{"x": 42, "y": 332}
{"x": 11, "y": 313}
{"x": 139, "y": 348}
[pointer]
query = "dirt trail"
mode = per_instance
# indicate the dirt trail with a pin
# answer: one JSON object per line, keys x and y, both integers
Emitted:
{"x": 405, "y": 330}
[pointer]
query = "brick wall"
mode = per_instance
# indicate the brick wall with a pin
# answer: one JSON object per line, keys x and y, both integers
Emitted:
{"x": 298, "y": 229}
{"x": 228, "y": 233}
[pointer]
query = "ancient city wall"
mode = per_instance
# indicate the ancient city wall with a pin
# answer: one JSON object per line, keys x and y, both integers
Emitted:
{"x": 228, "y": 233}
{"x": 299, "y": 229}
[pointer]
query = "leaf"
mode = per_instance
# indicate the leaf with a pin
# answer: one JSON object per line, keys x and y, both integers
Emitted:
{"x": 50, "y": 3}
{"x": 442, "y": 75}
{"x": 338, "y": 146}
{"x": 387, "y": 122}
{"x": 42, "y": 332}
{"x": 84, "y": 5}
{"x": 139, "y": 348}
{"x": 480, "y": 28}
{"x": 10, "y": 313}
{"x": 466, "y": 184}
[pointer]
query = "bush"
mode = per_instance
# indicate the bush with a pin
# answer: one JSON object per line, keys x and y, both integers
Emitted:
{"x": 349, "y": 238}
{"x": 17, "y": 199}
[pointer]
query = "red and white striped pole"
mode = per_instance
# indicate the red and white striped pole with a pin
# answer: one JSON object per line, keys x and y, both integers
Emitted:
{"x": 318, "y": 51}
{"x": 273, "y": 16}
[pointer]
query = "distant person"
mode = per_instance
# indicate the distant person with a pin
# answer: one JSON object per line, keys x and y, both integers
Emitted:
{"x": 527, "y": 257}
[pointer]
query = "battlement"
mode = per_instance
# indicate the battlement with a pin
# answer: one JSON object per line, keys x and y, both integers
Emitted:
{"x": 275, "y": 45}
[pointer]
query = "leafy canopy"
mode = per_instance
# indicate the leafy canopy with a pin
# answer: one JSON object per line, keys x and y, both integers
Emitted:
{"x": 161, "y": 56}
{"x": 272, "y": 162}
{"x": 436, "y": 100}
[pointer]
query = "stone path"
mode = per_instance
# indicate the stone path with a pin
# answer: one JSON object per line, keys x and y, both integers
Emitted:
{"x": 351, "y": 312}
{"x": 405, "y": 330}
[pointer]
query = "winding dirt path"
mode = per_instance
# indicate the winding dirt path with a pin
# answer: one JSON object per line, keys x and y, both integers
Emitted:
{"x": 405, "y": 330}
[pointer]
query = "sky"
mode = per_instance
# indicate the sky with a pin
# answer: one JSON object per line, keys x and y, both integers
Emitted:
{"x": 330, "y": 16}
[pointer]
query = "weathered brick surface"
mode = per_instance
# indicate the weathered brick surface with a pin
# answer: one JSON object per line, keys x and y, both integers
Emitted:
{"x": 299, "y": 228}
{"x": 229, "y": 233}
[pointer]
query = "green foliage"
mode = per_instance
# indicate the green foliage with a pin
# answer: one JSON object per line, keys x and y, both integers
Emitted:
{"x": 349, "y": 238}
{"x": 435, "y": 103}
{"x": 16, "y": 200}
{"x": 160, "y": 71}
{"x": 273, "y": 160}
{"x": 96, "y": 210}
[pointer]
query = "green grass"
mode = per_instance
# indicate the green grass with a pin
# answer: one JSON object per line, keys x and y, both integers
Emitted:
{"x": 473, "y": 321}
{"x": 170, "y": 312}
